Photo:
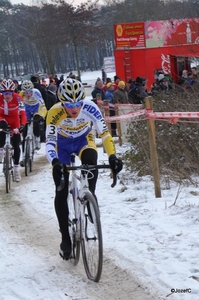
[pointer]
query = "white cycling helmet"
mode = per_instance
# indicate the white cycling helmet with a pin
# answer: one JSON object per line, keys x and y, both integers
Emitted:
{"x": 27, "y": 85}
{"x": 71, "y": 90}
{"x": 7, "y": 85}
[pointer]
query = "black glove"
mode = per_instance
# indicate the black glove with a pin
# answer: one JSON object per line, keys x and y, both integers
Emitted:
{"x": 58, "y": 167}
{"x": 21, "y": 128}
{"x": 115, "y": 163}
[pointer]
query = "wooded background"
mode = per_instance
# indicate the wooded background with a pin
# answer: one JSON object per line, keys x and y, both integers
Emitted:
{"x": 57, "y": 37}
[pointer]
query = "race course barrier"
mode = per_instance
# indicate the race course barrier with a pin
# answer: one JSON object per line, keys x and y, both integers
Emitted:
{"x": 124, "y": 115}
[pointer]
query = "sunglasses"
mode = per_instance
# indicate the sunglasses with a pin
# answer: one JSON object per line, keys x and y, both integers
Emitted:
{"x": 28, "y": 92}
{"x": 72, "y": 105}
{"x": 7, "y": 93}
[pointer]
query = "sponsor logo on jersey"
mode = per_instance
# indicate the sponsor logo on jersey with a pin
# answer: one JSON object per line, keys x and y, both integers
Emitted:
{"x": 75, "y": 131}
{"x": 66, "y": 122}
{"x": 92, "y": 110}
{"x": 56, "y": 118}
{"x": 80, "y": 121}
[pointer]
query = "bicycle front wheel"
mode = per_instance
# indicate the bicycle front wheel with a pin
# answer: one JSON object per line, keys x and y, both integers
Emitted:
{"x": 91, "y": 238}
{"x": 6, "y": 169}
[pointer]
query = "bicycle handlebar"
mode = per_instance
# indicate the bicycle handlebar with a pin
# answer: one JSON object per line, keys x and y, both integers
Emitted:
{"x": 6, "y": 130}
{"x": 87, "y": 168}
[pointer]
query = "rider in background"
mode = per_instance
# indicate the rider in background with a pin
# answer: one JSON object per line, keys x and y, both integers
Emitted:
{"x": 34, "y": 104}
{"x": 68, "y": 130}
{"x": 12, "y": 113}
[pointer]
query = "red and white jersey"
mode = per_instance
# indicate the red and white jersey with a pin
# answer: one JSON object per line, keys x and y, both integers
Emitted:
{"x": 13, "y": 111}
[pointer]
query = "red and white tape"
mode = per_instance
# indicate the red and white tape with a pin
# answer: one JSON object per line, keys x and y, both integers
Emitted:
{"x": 129, "y": 115}
{"x": 167, "y": 115}
{"x": 153, "y": 115}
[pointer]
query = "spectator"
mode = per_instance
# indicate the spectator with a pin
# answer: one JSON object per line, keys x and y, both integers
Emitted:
{"x": 116, "y": 81}
{"x": 160, "y": 77}
{"x": 73, "y": 76}
{"x": 169, "y": 78}
{"x": 36, "y": 82}
{"x": 109, "y": 96}
{"x": 137, "y": 94}
{"x": 120, "y": 95}
{"x": 195, "y": 73}
{"x": 52, "y": 81}
{"x": 98, "y": 90}
{"x": 61, "y": 79}
{"x": 163, "y": 87}
{"x": 56, "y": 79}
{"x": 52, "y": 96}
{"x": 191, "y": 83}
{"x": 43, "y": 83}
{"x": 17, "y": 86}
{"x": 131, "y": 84}
{"x": 183, "y": 78}
{"x": 108, "y": 79}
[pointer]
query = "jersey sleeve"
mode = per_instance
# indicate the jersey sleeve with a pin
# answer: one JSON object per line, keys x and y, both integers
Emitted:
{"x": 92, "y": 111}
{"x": 51, "y": 135}
{"x": 42, "y": 111}
{"x": 22, "y": 111}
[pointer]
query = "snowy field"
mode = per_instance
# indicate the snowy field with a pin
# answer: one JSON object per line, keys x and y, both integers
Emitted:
{"x": 150, "y": 244}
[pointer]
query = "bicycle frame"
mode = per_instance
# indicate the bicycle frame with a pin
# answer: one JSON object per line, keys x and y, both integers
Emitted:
{"x": 75, "y": 195}
{"x": 84, "y": 220}
{"x": 30, "y": 134}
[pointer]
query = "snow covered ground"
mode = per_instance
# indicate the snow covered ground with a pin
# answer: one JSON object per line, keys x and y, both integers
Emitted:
{"x": 150, "y": 244}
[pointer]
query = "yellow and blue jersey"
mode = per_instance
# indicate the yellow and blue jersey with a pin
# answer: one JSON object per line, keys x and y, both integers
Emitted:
{"x": 34, "y": 104}
{"x": 66, "y": 135}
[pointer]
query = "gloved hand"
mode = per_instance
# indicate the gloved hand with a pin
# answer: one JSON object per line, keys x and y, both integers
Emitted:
{"x": 58, "y": 167}
{"x": 16, "y": 130}
{"x": 115, "y": 163}
{"x": 21, "y": 128}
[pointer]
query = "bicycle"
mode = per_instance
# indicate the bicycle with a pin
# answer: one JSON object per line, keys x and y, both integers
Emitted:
{"x": 8, "y": 159}
{"x": 84, "y": 219}
{"x": 29, "y": 147}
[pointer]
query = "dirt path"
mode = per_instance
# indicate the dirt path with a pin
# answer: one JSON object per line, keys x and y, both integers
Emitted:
{"x": 31, "y": 227}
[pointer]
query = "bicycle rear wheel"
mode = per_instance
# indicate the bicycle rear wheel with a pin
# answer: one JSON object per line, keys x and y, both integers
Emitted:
{"x": 6, "y": 169}
{"x": 73, "y": 231}
{"x": 91, "y": 238}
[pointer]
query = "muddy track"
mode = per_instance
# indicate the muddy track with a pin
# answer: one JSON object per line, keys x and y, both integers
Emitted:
{"x": 36, "y": 230}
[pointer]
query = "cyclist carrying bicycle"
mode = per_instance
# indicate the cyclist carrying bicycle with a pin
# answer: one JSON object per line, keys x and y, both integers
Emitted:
{"x": 34, "y": 104}
{"x": 12, "y": 113}
{"x": 68, "y": 130}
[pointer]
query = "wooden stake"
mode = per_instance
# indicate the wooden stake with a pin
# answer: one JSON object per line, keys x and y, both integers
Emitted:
{"x": 153, "y": 150}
